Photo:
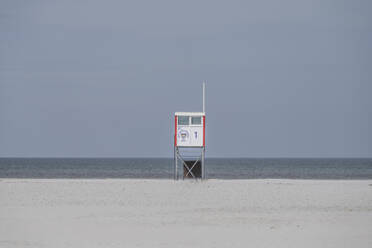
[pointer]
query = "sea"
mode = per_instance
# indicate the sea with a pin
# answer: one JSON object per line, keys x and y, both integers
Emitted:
{"x": 163, "y": 168}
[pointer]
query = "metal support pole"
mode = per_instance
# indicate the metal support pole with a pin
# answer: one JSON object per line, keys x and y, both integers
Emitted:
{"x": 203, "y": 164}
{"x": 175, "y": 163}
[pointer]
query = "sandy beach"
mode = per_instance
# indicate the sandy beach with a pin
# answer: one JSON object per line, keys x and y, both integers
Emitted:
{"x": 165, "y": 213}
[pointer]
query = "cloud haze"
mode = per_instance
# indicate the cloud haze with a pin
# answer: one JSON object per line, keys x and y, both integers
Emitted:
{"x": 103, "y": 78}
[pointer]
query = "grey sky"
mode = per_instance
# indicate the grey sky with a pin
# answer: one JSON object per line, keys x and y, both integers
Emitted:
{"x": 103, "y": 78}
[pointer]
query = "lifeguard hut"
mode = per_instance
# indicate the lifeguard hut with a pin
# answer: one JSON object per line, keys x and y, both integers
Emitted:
{"x": 189, "y": 143}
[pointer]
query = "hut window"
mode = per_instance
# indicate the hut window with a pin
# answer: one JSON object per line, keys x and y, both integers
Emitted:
{"x": 183, "y": 120}
{"x": 196, "y": 120}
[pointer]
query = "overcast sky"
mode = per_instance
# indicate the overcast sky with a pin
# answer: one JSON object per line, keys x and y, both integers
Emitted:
{"x": 103, "y": 78}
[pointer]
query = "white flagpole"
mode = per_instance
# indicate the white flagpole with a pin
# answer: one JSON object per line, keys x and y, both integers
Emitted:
{"x": 204, "y": 97}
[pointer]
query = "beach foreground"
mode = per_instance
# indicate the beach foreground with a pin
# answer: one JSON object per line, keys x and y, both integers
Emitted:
{"x": 165, "y": 213}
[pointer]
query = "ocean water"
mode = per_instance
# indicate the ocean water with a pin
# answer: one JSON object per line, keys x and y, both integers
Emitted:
{"x": 226, "y": 168}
